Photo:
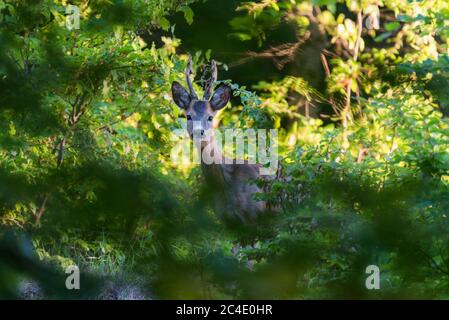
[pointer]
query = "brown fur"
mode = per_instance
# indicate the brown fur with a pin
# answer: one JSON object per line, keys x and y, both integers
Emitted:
{"x": 233, "y": 188}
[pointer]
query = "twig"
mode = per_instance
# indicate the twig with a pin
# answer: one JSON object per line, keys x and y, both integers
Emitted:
{"x": 281, "y": 55}
{"x": 61, "y": 148}
{"x": 328, "y": 74}
{"x": 363, "y": 152}
{"x": 347, "y": 109}
{"x": 41, "y": 210}
{"x": 122, "y": 117}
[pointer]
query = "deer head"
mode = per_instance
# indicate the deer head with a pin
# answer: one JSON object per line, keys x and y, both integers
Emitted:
{"x": 200, "y": 113}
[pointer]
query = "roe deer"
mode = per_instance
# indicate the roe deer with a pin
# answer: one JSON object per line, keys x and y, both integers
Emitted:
{"x": 231, "y": 185}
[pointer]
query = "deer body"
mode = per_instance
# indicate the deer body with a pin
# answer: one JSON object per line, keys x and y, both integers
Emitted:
{"x": 231, "y": 185}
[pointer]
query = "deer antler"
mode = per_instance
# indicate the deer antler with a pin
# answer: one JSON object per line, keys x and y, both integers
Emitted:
{"x": 210, "y": 82}
{"x": 189, "y": 72}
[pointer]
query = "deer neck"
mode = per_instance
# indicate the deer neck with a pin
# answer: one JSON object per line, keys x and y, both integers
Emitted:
{"x": 213, "y": 171}
{"x": 209, "y": 152}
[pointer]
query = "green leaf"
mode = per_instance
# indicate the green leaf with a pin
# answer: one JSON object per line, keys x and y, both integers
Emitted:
{"x": 164, "y": 23}
{"x": 188, "y": 14}
{"x": 392, "y": 26}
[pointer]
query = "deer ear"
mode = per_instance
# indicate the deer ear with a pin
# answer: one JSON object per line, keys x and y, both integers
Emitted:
{"x": 180, "y": 95}
{"x": 221, "y": 97}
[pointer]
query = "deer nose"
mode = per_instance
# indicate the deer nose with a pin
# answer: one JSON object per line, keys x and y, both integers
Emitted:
{"x": 198, "y": 133}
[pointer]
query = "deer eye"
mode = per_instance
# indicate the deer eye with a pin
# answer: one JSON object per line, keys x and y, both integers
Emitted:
{"x": 189, "y": 117}
{"x": 210, "y": 118}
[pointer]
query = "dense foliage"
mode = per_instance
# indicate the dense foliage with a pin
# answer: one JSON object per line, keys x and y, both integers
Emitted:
{"x": 86, "y": 176}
